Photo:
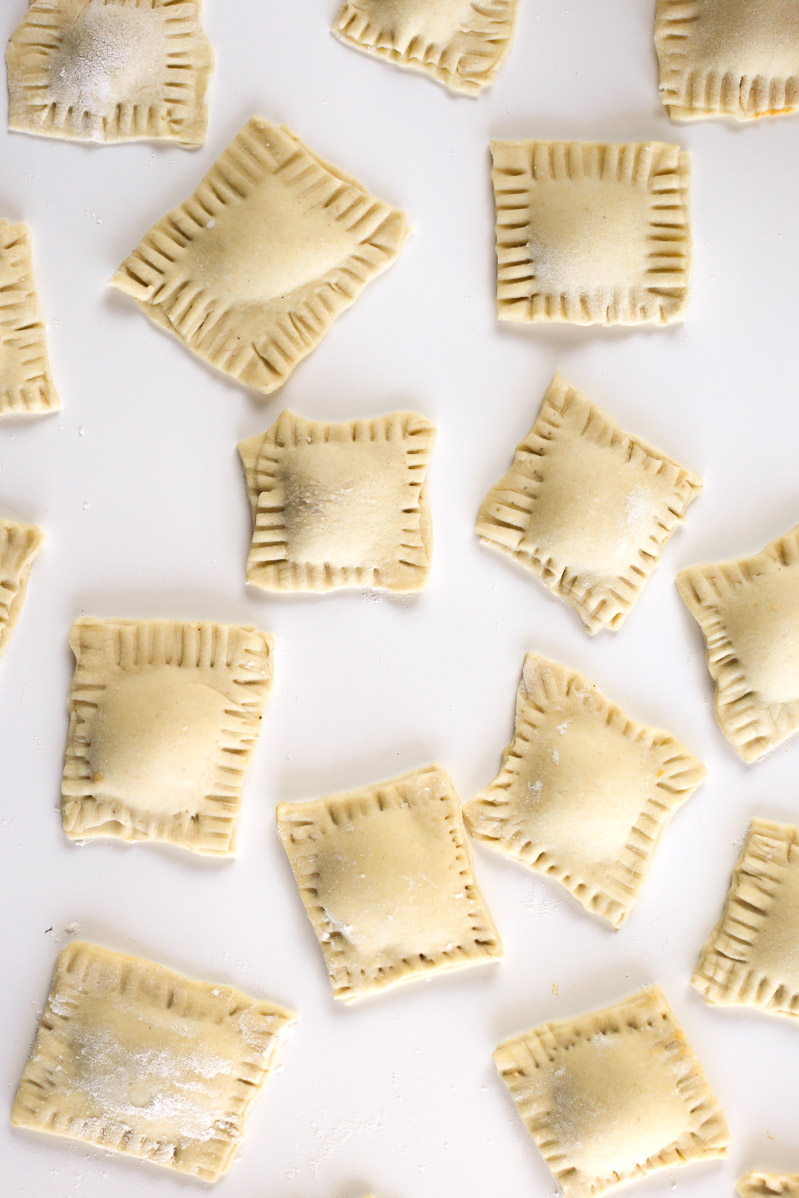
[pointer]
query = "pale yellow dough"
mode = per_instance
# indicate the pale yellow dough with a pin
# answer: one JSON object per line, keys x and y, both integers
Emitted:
{"x": 748, "y": 610}
{"x": 752, "y": 956}
{"x": 613, "y": 1096}
{"x": 591, "y": 233}
{"x": 460, "y": 43}
{"x": 586, "y": 507}
{"x": 728, "y": 58}
{"x": 110, "y": 70}
{"x": 19, "y": 546}
{"x": 387, "y": 879}
{"x": 164, "y": 717}
{"x": 252, "y": 270}
{"x": 135, "y": 1058}
{"x": 339, "y": 505}
{"x": 769, "y": 1185}
{"x": 584, "y": 792}
{"x": 26, "y": 386}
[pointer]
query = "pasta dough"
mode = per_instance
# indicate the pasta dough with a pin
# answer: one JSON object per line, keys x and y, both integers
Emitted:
{"x": 163, "y": 720}
{"x": 19, "y": 546}
{"x": 613, "y": 1096}
{"x": 339, "y": 505}
{"x": 387, "y": 879}
{"x": 584, "y": 792}
{"x": 461, "y": 43}
{"x": 133, "y": 1057}
{"x": 769, "y": 1185}
{"x": 586, "y": 507}
{"x": 26, "y": 387}
{"x": 728, "y": 58}
{"x": 110, "y": 70}
{"x": 591, "y": 233}
{"x": 253, "y": 269}
{"x": 752, "y": 956}
{"x": 748, "y": 611}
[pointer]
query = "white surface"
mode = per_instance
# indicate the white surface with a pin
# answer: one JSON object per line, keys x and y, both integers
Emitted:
{"x": 138, "y": 486}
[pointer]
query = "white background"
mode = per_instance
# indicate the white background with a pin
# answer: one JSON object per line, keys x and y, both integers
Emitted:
{"x": 138, "y": 487}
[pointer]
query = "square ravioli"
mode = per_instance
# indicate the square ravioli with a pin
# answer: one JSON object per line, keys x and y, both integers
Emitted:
{"x": 164, "y": 717}
{"x": 252, "y": 270}
{"x": 590, "y": 233}
{"x": 339, "y": 505}
{"x": 769, "y": 1185}
{"x": 748, "y": 611}
{"x": 586, "y": 507}
{"x": 19, "y": 546}
{"x": 752, "y": 956}
{"x": 584, "y": 792}
{"x": 461, "y": 43}
{"x": 387, "y": 880}
{"x": 26, "y": 386}
{"x": 613, "y": 1096}
{"x": 135, "y": 1058}
{"x": 110, "y": 71}
{"x": 728, "y": 58}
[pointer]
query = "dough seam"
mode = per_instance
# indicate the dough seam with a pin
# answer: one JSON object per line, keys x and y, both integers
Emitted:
{"x": 26, "y": 386}
{"x": 19, "y": 546}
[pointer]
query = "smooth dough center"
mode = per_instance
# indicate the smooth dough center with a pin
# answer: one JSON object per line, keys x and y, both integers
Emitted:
{"x": 384, "y": 885}
{"x": 775, "y": 948}
{"x": 593, "y": 511}
{"x": 744, "y": 38}
{"x": 134, "y": 1063}
{"x": 762, "y": 622}
{"x": 156, "y": 740}
{"x": 582, "y": 790}
{"x": 343, "y": 503}
{"x": 112, "y": 53}
{"x": 588, "y": 235}
{"x": 614, "y": 1103}
{"x": 268, "y": 245}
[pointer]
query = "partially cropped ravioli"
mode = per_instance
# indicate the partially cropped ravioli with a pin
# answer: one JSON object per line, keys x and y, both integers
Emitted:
{"x": 26, "y": 386}
{"x": 769, "y": 1185}
{"x": 110, "y": 70}
{"x": 387, "y": 879}
{"x": 748, "y": 610}
{"x": 613, "y": 1096}
{"x": 164, "y": 717}
{"x": 728, "y": 58}
{"x": 586, "y": 507}
{"x": 132, "y": 1057}
{"x": 584, "y": 792}
{"x": 339, "y": 505}
{"x": 461, "y": 43}
{"x": 19, "y": 545}
{"x": 591, "y": 233}
{"x": 752, "y": 956}
{"x": 253, "y": 269}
